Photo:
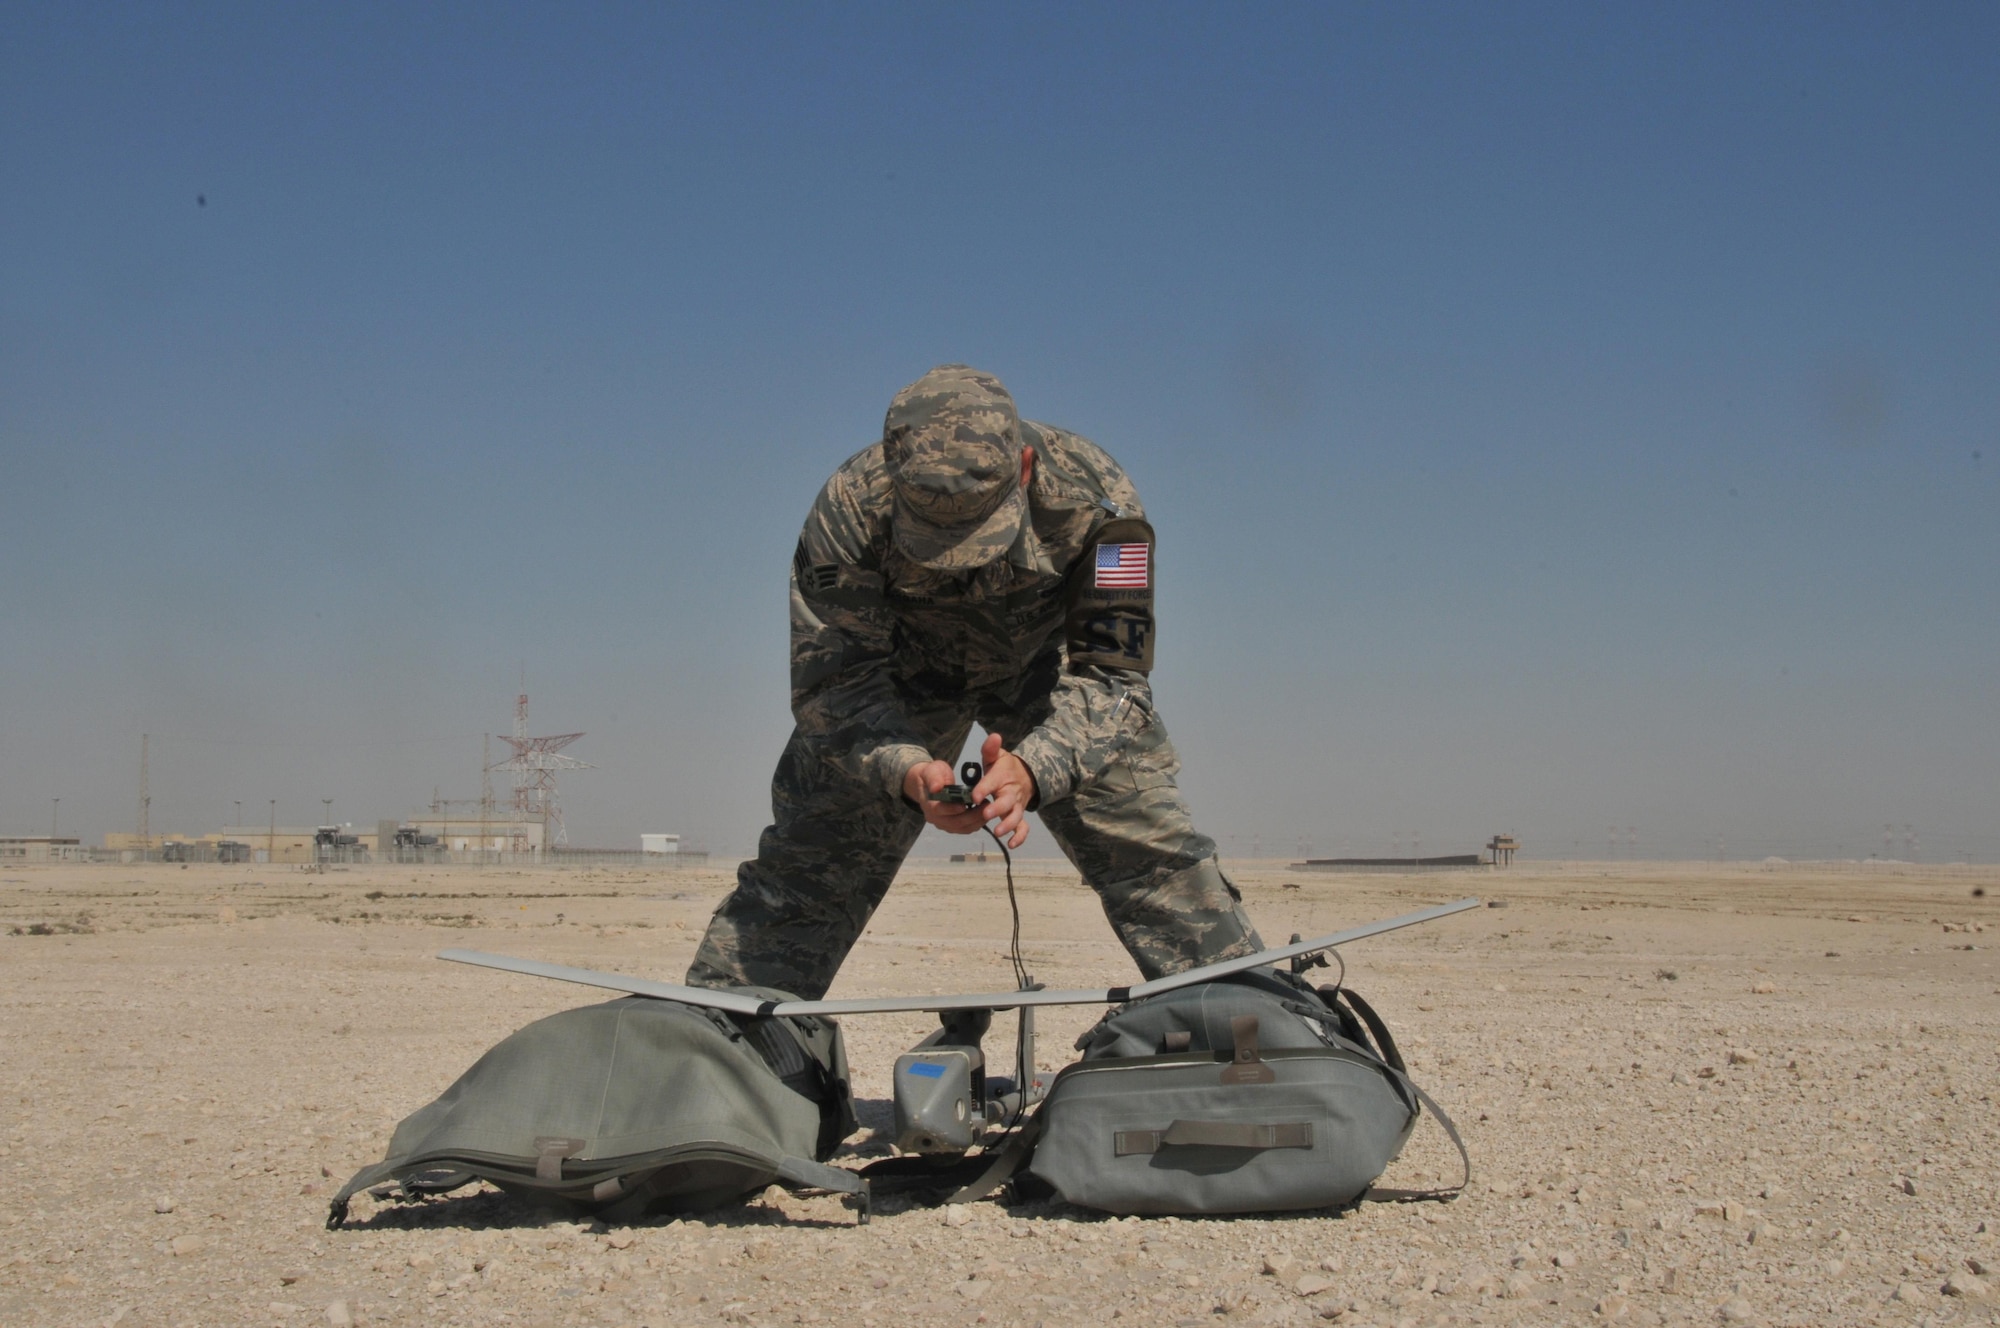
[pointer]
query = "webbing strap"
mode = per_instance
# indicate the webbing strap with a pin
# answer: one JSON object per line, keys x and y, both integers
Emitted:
{"x": 1380, "y": 1194}
{"x": 801, "y": 1173}
{"x": 550, "y": 1150}
{"x": 806, "y": 1174}
{"x": 1376, "y": 1026}
{"x": 1246, "y": 1064}
{"x": 370, "y": 1175}
{"x": 1010, "y": 1159}
{"x": 1214, "y": 1134}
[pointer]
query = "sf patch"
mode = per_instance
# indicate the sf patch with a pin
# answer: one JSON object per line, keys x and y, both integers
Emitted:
{"x": 813, "y": 578}
{"x": 1109, "y": 620}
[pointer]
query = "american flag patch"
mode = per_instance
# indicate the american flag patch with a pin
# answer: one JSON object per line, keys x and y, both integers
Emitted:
{"x": 1121, "y": 566}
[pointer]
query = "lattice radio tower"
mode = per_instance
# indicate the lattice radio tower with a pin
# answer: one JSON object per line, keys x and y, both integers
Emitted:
{"x": 534, "y": 765}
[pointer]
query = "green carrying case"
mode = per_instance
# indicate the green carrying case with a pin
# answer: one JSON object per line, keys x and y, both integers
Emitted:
{"x": 1251, "y": 1094}
{"x": 631, "y": 1107}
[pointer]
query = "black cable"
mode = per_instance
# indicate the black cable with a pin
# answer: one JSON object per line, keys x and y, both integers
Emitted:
{"x": 1014, "y": 905}
{"x": 1023, "y": 1071}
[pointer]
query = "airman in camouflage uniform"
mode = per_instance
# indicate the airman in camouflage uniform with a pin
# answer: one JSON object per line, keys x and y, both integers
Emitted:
{"x": 972, "y": 566}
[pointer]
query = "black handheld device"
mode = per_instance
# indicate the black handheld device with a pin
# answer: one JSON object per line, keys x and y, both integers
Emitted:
{"x": 969, "y": 774}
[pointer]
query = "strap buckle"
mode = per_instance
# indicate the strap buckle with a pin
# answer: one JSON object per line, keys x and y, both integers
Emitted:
{"x": 1248, "y": 1066}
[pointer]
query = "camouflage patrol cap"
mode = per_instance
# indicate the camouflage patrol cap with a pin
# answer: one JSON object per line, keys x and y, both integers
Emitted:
{"x": 952, "y": 441}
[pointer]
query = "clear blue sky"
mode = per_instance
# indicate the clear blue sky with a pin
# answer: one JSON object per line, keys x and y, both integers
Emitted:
{"x": 1555, "y": 416}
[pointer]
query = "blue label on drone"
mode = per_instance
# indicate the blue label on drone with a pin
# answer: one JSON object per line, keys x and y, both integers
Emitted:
{"x": 927, "y": 1069}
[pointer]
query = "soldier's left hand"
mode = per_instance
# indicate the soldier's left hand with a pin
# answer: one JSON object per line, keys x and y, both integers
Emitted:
{"x": 1005, "y": 792}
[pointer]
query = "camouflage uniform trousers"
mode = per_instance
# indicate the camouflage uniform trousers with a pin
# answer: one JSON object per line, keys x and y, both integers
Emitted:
{"x": 837, "y": 843}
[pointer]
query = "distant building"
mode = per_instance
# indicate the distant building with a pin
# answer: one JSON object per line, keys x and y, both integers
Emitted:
{"x": 163, "y": 848}
{"x": 470, "y": 834}
{"x": 40, "y": 848}
{"x": 659, "y": 843}
{"x": 285, "y": 843}
{"x": 423, "y": 838}
{"x": 1448, "y": 862}
{"x": 239, "y": 843}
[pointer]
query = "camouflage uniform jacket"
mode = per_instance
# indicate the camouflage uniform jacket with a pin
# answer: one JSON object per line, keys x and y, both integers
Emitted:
{"x": 873, "y": 632}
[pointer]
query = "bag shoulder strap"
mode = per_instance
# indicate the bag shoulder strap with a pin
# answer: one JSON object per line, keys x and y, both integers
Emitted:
{"x": 336, "y": 1214}
{"x": 1383, "y": 1194}
{"x": 798, "y": 1173}
{"x": 1012, "y": 1156}
{"x": 1377, "y": 1028}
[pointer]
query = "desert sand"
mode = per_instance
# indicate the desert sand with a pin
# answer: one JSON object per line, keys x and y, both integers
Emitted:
{"x": 1693, "y": 1094}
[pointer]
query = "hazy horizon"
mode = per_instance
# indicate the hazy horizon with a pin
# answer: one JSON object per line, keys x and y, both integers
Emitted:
{"x": 1554, "y": 418}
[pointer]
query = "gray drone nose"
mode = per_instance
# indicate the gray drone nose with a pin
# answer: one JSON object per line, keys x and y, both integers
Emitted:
{"x": 934, "y": 1101}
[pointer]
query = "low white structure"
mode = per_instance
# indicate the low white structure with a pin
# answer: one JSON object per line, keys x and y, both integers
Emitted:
{"x": 44, "y": 848}
{"x": 659, "y": 843}
{"x": 470, "y": 834}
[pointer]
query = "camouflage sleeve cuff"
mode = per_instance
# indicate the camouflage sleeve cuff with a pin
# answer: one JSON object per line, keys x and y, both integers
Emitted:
{"x": 1049, "y": 765}
{"x": 892, "y": 764}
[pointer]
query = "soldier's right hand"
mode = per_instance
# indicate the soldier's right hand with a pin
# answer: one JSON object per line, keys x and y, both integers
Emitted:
{"x": 951, "y": 817}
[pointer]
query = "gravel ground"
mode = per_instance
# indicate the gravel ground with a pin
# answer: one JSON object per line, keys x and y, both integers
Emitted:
{"x": 1694, "y": 1094}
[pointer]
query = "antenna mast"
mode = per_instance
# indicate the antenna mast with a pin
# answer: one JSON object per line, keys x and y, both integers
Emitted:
{"x": 145, "y": 798}
{"x": 534, "y": 765}
{"x": 485, "y": 789}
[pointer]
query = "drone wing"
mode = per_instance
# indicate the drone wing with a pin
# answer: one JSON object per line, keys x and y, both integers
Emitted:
{"x": 732, "y": 1002}
{"x": 1279, "y": 954}
{"x": 736, "y": 1003}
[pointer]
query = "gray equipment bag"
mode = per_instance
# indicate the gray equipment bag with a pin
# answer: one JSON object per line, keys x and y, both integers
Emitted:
{"x": 1250, "y": 1094}
{"x": 632, "y": 1107}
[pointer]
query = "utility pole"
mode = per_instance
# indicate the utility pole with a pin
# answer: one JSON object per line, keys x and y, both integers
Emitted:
{"x": 327, "y": 803}
{"x": 485, "y": 790}
{"x": 145, "y": 802}
{"x": 271, "y": 838}
{"x": 239, "y": 813}
{"x": 55, "y": 806}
